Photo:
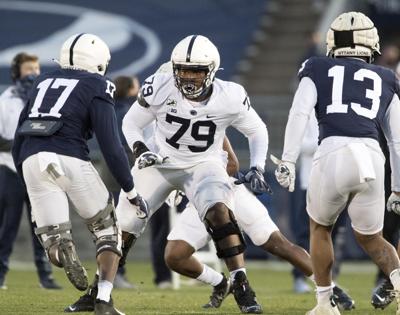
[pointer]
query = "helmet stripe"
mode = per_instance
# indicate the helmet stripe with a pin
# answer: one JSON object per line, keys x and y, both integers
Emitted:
{"x": 189, "y": 52}
{"x": 71, "y": 50}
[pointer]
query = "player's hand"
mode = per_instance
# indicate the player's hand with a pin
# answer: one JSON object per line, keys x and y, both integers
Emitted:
{"x": 255, "y": 177}
{"x": 149, "y": 158}
{"x": 393, "y": 203}
{"x": 285, "y": 173}
{"x": 142, "y": 209}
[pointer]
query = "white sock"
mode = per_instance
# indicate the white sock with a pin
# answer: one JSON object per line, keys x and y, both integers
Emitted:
{"x": 324, "y": 294}
{"x": 312, "y": 278}
{"x": 234, "y": 272}
{"x": 210, "y": 276}
{"x": 105, "y": 288}
{"x": 395, "y": 279}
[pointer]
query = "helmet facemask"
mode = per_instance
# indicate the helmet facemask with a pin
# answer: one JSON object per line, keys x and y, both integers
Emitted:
{"x": 195, "y": 86}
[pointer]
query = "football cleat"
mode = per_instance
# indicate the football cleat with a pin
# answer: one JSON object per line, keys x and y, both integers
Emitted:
{"x": 49, "y": 283}
{"x": 219, "y": 293}
{"x": 381, "y": 296}
{"x": 86, "y": 302}
{"x": 342, "y": 299}
{"x": 325, "y": 309}
{"x": 73, "y": 268}
{"x": 105, "y": 308}
{"x": 244, "y": 295}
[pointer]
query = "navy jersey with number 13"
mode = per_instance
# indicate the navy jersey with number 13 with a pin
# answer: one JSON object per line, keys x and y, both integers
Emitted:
{"x": 353, "y": 96}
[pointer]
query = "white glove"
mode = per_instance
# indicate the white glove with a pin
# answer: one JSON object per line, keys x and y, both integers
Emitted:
{"x": 393, "y": 203}
{"x": 149, "y": 158}
{"x": 285, "y": 173}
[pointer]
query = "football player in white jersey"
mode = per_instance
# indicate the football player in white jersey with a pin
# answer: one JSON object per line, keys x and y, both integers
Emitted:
{"x": 189, "y": 235}
{"x": 353, "y": 99}
{"x": 192, "y": 109}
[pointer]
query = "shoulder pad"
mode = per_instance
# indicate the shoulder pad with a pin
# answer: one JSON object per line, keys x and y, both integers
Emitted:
{"x": 155, "y": 89}
{"x": 235, "y": 94}
{"x": 104, "y": 88}
{"x": 306, "y": 69}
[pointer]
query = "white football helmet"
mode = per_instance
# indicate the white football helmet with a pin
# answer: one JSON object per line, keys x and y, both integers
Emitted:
{"x": 352, "y": 34}
{"x": 195, "y": 52}
{"x": 85, "y": 52}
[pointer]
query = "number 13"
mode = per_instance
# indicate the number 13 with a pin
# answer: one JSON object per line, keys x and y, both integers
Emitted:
{"x": 337, "y": 106}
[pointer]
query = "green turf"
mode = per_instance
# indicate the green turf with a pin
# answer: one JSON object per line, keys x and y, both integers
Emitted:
{"x": 273, "y": 289}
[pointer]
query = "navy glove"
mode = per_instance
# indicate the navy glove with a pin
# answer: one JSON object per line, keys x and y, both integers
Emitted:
{"x": 142, "y": 209}
{"x": 255, "y": 178}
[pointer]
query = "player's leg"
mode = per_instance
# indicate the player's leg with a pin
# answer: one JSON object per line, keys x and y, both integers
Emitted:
{"x": 53, "y": 225}
{"x": 154, "y": 188}
{"x": 94, "y": 204}
{"x": 208, "y": 188}
{"x": 327, "y": 196}
{"x": 367, "y": 215}
{"x": 187, "y": 236}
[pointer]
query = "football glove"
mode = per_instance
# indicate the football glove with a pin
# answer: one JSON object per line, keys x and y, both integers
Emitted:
{"x": 285, "y": 173}
{"x": 393, "y": 203}
{"x": 255, "y": 178}
{"x": 149, "y": 158}
{"x": 142, "y": 209}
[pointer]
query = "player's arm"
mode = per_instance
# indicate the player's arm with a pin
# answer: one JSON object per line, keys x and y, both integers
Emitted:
{"x": 104, "y": 122}
{"x": 304, "y": 101}
{"x": 138, "y": 117}
{"x": 233, "y": 163}
{"x": 251, "y": 125}
{"x": 391, "y": 129}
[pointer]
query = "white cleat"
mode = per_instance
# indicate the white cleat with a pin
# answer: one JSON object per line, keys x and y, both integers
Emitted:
{"x": 325, "y": 309}
{"x": 396, "y": 295}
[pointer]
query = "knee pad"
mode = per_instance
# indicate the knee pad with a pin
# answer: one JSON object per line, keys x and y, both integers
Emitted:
{"x": 218, "y": 233}
{"x": 53, "y": 235}
{"x": 105, "y": 231}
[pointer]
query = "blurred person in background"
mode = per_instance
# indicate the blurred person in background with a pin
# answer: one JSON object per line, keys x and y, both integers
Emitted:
{"x": 24, "y": 70}
{"x": 390, "y": 56}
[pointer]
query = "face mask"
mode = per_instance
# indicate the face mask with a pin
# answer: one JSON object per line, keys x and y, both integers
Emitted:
{"x": 24, "y": 85}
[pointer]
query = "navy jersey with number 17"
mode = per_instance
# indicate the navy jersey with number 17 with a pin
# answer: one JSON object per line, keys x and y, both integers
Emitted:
{"x": 353, "y": 95}
{"x": 83, "y": 103}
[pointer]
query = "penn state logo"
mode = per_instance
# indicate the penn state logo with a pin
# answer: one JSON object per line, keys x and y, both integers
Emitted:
{"x": 53, "y": 23}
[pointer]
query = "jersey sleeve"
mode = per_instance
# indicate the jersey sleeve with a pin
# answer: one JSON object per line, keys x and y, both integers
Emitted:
{"x": 103, "y": 89}
{"x": 153, "y": 91}
{"x": 104, "y": 122}
{"x": 306, "y": 69}
{"x": 252, "y": 127}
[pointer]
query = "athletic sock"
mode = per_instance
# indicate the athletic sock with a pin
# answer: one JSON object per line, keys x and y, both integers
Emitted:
{"x": 324, "y": 294}
{"x": 210, "y": 276}
{"x": 105, "y": 288}
{"x": 395, "y": 279}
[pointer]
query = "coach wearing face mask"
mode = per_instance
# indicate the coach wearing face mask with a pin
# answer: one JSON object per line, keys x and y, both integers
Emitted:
{"x": 24, "y": 70}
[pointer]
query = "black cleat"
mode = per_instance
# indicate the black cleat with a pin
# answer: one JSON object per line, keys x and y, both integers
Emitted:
{"x": 86, "y": 302}
{"x": 105, "y": 308}
{"x": 244, "y": 295}
{"x": 219, "y": 293}
{"x": 342, "y": 299}
{"x": 381, "y": 296}
{"x": 49, "y": 283}
{"x": 73, "y": 268}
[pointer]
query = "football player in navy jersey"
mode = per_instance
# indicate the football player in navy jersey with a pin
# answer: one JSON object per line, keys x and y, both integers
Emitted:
{"x": 64, "y": 108}
{"x": 353, "y": 99}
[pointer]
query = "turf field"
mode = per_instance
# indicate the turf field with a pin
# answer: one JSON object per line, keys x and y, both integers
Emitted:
{"x": 271, "y": 281}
